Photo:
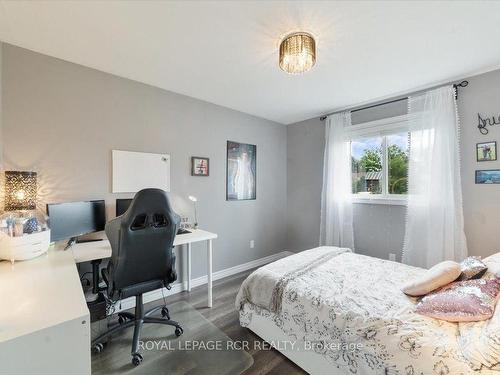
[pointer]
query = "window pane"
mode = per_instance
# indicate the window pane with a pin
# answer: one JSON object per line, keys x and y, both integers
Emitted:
{"x": 367, "y": 176}
{"x": 397, "y": 155}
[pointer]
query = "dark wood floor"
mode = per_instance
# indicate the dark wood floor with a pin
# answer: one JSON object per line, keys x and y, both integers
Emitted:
{"x": 224, "y": 315}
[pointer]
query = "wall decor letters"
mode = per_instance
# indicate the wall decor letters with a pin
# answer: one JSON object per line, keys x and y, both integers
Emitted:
{"x": 484, "y": 122}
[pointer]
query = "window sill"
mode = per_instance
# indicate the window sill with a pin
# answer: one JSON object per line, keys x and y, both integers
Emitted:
{"x": 380, "y": 200}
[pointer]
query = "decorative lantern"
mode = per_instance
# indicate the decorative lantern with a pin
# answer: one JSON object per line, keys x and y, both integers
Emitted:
{"x": 24, "y": 231}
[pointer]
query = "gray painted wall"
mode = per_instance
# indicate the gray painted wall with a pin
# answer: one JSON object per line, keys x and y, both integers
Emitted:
{"x": 62, "y": 120}
{"x": 481, "y": 202}
{"x": 1, "y": 139}
{"x": 305, "y": 144}
{"x": 379, "y": 229}
{"x": 68, "y": 102}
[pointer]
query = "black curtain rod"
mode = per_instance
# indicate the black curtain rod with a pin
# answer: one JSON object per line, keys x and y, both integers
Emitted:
{"x": 464, "y": 83}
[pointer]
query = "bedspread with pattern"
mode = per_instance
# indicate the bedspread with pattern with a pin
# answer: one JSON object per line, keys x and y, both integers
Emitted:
{"x": 330, "y": 295}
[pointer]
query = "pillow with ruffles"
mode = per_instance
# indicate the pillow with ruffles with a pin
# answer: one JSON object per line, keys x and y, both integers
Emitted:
{"x": 462, "y": 301}
{"x": 441, "y": 274}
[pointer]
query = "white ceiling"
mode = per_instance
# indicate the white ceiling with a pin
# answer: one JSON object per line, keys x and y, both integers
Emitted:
{"x": 226, "y": 52}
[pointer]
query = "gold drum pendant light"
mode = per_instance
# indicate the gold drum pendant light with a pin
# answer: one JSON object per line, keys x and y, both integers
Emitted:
{"x": 297, "y": 53}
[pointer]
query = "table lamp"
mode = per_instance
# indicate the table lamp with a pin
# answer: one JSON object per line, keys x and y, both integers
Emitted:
{"x": 20, "y": 190}
{"x": 194, "y": 200}
{"x": 24, "y": 231}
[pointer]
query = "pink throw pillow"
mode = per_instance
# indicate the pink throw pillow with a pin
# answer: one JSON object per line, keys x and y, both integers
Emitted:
{"x": 462, "y": 301}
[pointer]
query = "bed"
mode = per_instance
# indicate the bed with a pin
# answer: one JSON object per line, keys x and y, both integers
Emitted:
{"x": 335, "y": 312}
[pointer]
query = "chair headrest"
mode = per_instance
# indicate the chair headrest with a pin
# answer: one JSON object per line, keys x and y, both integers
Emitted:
{"x": 150, "y": 207}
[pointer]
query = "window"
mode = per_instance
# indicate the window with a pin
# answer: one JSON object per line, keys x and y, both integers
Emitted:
{"x": 380, "y": 165}
{"x": 366, "y": 163}
{"x": 397, "y": 157}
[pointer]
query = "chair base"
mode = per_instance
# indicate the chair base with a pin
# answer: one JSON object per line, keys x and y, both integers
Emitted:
{"x": 137, "y": 320}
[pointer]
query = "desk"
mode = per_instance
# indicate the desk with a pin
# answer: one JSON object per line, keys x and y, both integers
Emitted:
{"x": 44, "y": 319}
{"x": 89, "y": 251}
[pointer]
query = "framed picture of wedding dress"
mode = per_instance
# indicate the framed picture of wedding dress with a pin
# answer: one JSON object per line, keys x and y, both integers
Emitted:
{"x": 241, "y": 171}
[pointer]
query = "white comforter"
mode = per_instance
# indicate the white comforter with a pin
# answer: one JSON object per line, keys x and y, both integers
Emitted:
{"x": 330, "y": 295}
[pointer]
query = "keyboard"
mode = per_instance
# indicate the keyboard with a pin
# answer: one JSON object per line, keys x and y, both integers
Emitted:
{"x": 183, "y": 231}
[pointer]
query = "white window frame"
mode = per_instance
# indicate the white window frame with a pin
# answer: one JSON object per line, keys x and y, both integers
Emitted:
{"x": 380, "y": 128}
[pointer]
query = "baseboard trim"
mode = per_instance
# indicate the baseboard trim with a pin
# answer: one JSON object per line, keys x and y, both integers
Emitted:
{"x": 199, "y": 281}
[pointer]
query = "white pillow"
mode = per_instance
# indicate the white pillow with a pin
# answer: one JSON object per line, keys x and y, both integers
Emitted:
{"x": 493, "y": 263}
{"x": 493, "y": 257}
{"x": 441, "y": 274}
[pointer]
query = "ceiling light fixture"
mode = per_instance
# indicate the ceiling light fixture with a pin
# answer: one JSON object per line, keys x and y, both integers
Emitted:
{"x": 297, "y": 53}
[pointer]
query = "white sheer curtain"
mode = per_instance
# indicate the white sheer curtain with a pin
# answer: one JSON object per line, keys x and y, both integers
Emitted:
{"x": 434, "y": 227}
{"x": 336, "y": 203}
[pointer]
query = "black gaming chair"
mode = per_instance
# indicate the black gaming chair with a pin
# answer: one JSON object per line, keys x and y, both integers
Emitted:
{"x": 142, "y": 260}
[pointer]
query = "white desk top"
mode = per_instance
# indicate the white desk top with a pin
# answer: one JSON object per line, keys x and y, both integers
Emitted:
{"x": 196, "y": 235}
{"x": 39, "y": 293}
{"x": 85, "y": 252}
{"x": 46, "y": 291}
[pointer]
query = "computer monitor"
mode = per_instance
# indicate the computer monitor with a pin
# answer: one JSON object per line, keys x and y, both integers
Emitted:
{"x": 73, "y": 219}
{"x": 122, "y": 206}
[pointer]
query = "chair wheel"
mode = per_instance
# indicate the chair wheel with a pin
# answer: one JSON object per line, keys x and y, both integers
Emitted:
{"x": 121, "y": 319}
{"x": 99, "y": 347}
{"x": 165, "y": 313}
{"x": 179, "y": 331}
{"x": 137, "y": 359}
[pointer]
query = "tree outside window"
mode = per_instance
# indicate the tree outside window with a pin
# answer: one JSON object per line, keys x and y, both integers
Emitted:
{"x": 380, "y": 165}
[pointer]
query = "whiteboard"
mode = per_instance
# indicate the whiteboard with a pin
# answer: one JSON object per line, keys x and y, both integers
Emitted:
{"x": 134, "y": 171}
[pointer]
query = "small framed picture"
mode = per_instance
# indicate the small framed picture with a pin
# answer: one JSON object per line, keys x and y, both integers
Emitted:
{"x": 488, "y": 176}
{"x": 199, "y": 166}
{"x": 486, "y": 151}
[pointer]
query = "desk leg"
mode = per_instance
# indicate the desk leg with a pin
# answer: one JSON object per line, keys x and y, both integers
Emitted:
{"x": 95, "y": 275}
{"x": 209, "y": 272}
{"x": 189, "y": 267}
